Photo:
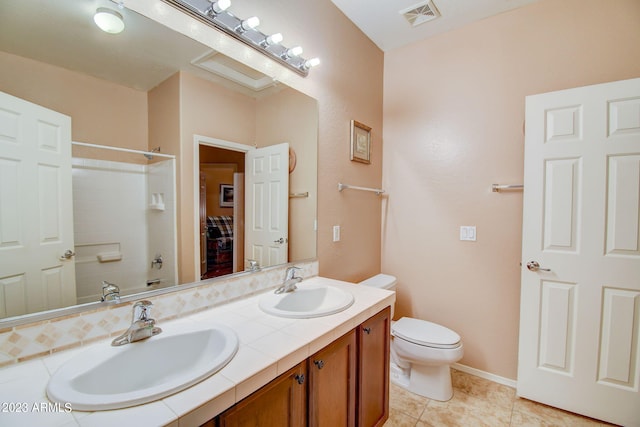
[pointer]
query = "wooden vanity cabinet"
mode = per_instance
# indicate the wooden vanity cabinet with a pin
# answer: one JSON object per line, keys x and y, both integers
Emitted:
{"x": 346, "y": 384}
{"x": 373, "y": 369}
{"x": 332, "y": 384}
{"x": 282, "y": 402}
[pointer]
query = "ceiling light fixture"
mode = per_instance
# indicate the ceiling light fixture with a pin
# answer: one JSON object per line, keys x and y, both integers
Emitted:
{"x": 215, "y": 14}
{"x": 108, "y": 20}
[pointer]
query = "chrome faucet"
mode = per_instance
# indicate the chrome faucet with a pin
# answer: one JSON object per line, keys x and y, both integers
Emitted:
{"x": 142, "y": 326}
{"x": 110, "y": 292}
{"x": 290, "y": 281}
{"x": 253, "y": 265}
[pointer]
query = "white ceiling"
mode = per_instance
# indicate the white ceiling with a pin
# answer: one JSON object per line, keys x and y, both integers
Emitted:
{"x": 383, "y": 23}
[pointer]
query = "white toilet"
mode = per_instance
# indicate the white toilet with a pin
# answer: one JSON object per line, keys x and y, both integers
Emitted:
{"x": 421, "y": 351}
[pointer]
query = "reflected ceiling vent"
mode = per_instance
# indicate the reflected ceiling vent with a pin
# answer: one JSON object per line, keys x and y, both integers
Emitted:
{"x": 420, "y": 13}
{"x": 222, "y": 65}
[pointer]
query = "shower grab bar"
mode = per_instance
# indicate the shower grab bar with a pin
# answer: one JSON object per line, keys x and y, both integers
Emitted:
{"x": 496, "y": 188}
{"x": 125, "y": 150}
{"x": 378, "y": 191}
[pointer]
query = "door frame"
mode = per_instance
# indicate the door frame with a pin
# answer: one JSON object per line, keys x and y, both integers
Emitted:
{"x": 211, "y": 142}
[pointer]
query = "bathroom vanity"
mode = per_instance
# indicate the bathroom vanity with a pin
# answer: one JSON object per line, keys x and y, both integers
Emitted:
{"x": 323, "y": 371}
{"x": 344, "y": 384}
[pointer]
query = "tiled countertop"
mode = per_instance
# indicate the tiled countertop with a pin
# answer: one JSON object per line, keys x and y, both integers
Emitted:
{"x": 269, "y": 346}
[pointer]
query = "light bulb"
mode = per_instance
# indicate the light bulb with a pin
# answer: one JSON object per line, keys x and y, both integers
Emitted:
{"x": 108, "y": 20}
{"x": 311, "y": 63}
{"x": 250, "y": 23}
{"x": 273, "y": 39}
{"x": 294, "y": 51}
{"x": 220, "y": 6}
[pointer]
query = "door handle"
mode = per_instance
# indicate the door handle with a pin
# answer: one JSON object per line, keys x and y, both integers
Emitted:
{"x": 67, "y": 255}
{"x": 280, "y": 240}
{"x": 534, "y": 266}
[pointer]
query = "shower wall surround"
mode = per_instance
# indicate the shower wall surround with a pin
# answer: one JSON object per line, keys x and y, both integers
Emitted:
{"x": 123, "y": 216}
{"x": 30, "y": 341}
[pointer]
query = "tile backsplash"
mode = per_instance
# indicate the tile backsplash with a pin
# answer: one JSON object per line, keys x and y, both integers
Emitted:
{"x": 29, "y": 341}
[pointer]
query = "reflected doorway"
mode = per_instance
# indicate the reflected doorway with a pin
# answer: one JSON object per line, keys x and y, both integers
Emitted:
{"x": 221, "y": 207}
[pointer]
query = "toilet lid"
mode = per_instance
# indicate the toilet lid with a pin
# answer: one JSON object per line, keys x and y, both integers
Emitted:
{"x": 425, "y": 333}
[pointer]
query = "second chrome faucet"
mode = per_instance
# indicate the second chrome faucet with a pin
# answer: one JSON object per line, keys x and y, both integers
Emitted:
{"x": 290, "y": 281}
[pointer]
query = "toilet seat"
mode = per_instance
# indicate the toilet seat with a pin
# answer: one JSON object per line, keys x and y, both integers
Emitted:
{"x": 425, "y": 333}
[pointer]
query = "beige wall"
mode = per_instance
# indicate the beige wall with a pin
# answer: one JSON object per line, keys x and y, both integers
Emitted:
{"x": 102, "y": 113}
{"x": 347, "y": 86}
{"x": 299, "y": 113}
{"x": 209, "y": 110}
{"x": 453, "y": 117}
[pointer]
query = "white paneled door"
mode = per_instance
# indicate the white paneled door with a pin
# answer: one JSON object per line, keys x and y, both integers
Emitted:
{"x": 36, "y": 212}
{"x": 580, "y": 288}
{"x": 267, "y": 204}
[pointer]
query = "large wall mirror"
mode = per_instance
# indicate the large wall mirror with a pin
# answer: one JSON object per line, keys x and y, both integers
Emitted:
{"x": 170, "y": 207}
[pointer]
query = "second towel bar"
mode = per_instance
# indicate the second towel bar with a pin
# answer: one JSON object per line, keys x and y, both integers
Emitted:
{"x": 378, "y": 191}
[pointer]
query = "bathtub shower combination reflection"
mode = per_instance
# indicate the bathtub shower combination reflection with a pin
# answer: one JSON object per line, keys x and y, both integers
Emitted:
{"x": 123, "y": 220}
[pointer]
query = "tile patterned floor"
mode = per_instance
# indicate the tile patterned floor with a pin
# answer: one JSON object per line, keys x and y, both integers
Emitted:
{"x": 477, "y": 402}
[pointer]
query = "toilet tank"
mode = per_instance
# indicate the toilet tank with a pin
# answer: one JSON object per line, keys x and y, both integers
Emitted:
{"x": 382, "y": 281}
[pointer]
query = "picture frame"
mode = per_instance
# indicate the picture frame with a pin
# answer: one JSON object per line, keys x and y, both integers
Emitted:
{"x": 226, "y": 195}
{"x": 360, "y": 142}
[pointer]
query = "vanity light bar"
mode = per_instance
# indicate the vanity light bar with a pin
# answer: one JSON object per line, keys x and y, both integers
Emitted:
{"x": 212, "y": 14}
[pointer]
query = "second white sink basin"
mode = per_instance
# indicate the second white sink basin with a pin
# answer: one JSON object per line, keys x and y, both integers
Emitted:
{"x": 307, "y": 301}
{"x": 106, "y": 377}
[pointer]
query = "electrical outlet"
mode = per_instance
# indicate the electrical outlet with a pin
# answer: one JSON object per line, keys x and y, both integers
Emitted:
{"x": 468, "y": 232}
{"x": 336, "y": 233}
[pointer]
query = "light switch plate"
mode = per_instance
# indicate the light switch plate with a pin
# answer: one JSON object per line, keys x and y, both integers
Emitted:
{"x": 336, "y": 233}
{"x": 468, "y": 232}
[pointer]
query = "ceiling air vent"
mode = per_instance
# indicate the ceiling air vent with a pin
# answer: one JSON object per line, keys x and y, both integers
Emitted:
{"x": 420, "y": 13}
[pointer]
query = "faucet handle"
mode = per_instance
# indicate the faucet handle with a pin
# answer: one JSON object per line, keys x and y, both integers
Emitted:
{"x": 291, "y": 273}
{"x": 142, "y": 310}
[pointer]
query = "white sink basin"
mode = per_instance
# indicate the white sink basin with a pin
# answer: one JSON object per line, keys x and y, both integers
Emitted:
{"x": 106, "y": 377}
{"x": 307, "y": 301}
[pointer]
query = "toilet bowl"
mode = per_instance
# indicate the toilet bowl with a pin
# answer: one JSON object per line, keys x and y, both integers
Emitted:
{"x": 421, "y": 351}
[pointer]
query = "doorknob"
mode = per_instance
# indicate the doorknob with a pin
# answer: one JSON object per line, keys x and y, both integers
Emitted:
{"x": 68, "y": 254}
{"x": 280, "y": 240}
{"x": 534, "y": 266}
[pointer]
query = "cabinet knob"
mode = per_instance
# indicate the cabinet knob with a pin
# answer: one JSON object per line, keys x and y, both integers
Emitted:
{"x": 299, "y": 378}
{"x": 367, "y": 330}
{"x": 319, "y": 363}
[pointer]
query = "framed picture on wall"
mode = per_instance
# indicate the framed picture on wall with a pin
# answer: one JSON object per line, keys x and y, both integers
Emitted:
{"x": 226, "y": 195}
{"x": 360, "y": 142}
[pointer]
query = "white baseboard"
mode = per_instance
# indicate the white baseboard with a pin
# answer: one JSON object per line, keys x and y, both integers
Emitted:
{"x": 486, "y": 375}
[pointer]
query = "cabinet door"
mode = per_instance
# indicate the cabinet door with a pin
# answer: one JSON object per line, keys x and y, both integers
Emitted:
{"x": 332, "y": 384}
{"x": 373, "y": 370}
{"x": 280, "y": 403}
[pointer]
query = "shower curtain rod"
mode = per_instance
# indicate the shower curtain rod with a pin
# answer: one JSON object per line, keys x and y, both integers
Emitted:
{"x": 126, "y": 150}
